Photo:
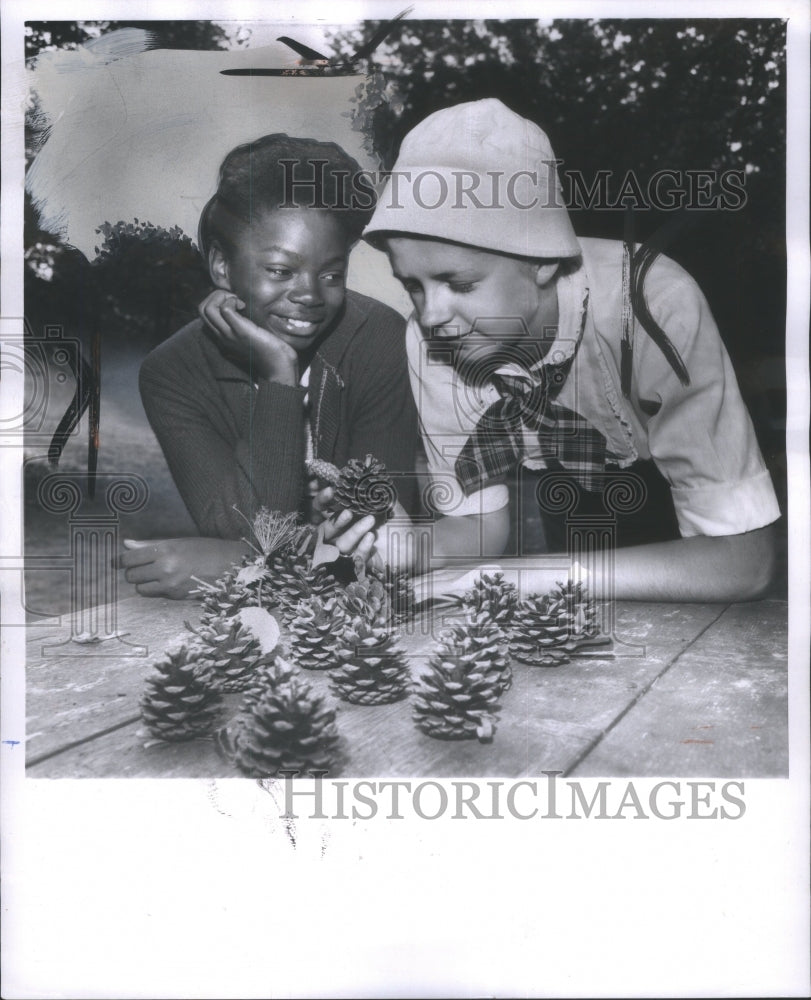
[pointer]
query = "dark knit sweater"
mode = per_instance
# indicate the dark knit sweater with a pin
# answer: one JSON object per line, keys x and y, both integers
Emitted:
{"x": 232, "y": 444}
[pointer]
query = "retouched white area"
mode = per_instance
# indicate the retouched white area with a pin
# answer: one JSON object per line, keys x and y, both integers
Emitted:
{"x": 143, "y": 137}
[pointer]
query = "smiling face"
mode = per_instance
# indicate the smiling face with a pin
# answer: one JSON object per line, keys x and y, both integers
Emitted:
{"x": 487, "y": 307}
{"x": 289, "y": 268}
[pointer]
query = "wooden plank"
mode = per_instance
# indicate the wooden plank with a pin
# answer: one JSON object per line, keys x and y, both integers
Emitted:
{"x": 74, "y": 691}
{"x": 720, "y": 710}
{"x": 548, "y": 718}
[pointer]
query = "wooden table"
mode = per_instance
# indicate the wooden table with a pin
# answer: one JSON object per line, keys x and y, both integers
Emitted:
{"x": 691, "y": 690}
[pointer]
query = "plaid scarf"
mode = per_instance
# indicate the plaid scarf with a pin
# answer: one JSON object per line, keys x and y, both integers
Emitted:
{"x": 566, "y": 439}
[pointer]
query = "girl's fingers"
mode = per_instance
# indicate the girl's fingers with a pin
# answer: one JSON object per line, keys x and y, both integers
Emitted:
{"x": 212, "y": 313}
{"x": 247, "y": 331}
{"x": 335, "y": 525}
{"x": 152, "y": 589}
{"x": 321, "y": 497}
{"x": 344, "y": 519}
{"x": 366, "y": 546}
{"x": 141, "y": 556}
{"x": 349, "y": 541}
{"x": 148, "y": 573}
{"x": 238, "y": 323}
{"x": 214, "y": 320}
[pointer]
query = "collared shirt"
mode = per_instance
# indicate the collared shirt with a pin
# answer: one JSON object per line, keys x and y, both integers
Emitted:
{"x": 700, "y": 436}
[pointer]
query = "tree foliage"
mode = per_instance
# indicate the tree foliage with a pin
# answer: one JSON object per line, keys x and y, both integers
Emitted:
{"x": 146, "y": 281}
{"x": 619, "y": 96}
{"x": 42, "y": 36}
{"x": 624, "y": 94}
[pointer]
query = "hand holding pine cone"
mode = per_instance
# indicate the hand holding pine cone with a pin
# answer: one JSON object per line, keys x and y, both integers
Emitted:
{"x": 364, "y": 487}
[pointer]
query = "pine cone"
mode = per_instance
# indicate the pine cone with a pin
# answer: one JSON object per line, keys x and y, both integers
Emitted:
{"x": 227, "y": 595}
{"x": 291, "y": 578}
{"x": 399, "y": 589}
{"x": 371, "y": 667}
{"x": 365, "y": 488}
{"x": 494, "y": 596}
{"x": 480, "y": 637}
{"x": 458, "y": 698}
{"x": 576, "y": 611}
{"x": 314, "y": 632}
{"x": 546, "y": 629}
{"x": 402, "y": 598}
{"x": 232, "y": 652}
{"x": 270, "y": 673}
{"x": 181, "y": 700}
{"x": 366, "y": 599}
{"x": 287, "y": 728}
{"x": 536, "y": 635}
{"x": 324, "y": 470}
{"x": 282, "y": 576}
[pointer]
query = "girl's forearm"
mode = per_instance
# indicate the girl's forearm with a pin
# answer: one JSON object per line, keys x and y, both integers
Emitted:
{"x": 724, "y": 568}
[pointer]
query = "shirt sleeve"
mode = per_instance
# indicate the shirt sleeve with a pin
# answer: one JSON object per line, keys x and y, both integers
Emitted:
{"x": 448, "y": 414}
{"x": 701, "y": 436}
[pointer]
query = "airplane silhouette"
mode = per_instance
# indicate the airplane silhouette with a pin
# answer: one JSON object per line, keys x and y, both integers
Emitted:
{"x": 313, "y": 62}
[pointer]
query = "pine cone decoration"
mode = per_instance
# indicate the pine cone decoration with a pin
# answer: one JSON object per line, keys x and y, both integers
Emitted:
{"x": 365, "y": 488}
{"x": 269, "y": 674}
{"x": 283, "y": 573}
{"x": 181, "y": 700}
{"x": 291, "y": 578}
{"x": 371, "y": 667}
{"x": 576, "y": 610}
{"x": 227, "y": 595}
{"x": 494, "y": 596}
{"x": 458, "y": 698}
{"x": 536, "y": 637}
{"x": 402, "y": 598}
{"x": 367, "y": 599}
{"x": 484, "y": 639}
{"x": 232, "y": 652}
{"x": 286, "y": 728}
{"x": 314, "y": 632}
{"x": 546, "y": 629}
{"x": 324, "y": 470}
{"x": 399, "y": 589}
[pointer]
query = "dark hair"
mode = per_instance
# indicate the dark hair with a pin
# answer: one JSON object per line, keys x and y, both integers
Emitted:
{"x": 280, "y": 171}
